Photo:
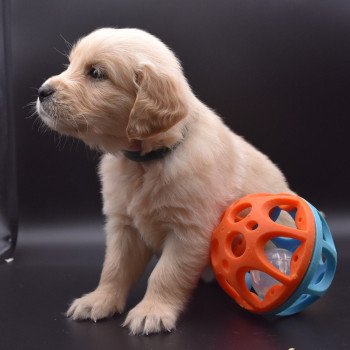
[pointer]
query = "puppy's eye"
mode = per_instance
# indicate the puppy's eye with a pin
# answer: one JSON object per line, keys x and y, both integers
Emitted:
{"x": 96, "y": 74}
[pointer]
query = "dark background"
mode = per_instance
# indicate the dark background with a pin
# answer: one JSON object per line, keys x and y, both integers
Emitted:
{"x": 277, "y": 71}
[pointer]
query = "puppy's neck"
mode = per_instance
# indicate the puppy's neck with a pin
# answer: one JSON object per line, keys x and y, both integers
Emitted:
{"x": 134, "y": 146}
{"x": 167, "y": 139}
{"x": 150, "y": 152}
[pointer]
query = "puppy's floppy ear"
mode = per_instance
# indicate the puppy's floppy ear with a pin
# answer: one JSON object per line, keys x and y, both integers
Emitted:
{"x": 160, "y": 103}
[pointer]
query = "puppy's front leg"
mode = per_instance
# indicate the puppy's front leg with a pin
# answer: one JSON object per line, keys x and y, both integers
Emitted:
{"x": 126, "y": 258}
{"x": 174, "y": 277}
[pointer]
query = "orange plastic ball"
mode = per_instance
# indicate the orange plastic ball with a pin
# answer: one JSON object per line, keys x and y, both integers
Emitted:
{"x": 242, "y": 237}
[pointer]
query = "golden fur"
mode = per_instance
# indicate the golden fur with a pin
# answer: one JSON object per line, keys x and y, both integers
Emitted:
{"x": 169, "y": 206}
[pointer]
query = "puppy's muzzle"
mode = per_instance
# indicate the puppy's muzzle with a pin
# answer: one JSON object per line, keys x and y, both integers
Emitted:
{"x": 45, "y": 91}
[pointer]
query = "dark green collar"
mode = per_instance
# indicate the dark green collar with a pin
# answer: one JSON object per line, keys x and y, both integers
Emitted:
{"x": 157, "y": 154}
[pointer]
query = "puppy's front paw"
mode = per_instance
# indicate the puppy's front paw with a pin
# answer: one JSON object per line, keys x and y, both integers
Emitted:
{"x": 96, "y": 305}
{"x": 147, "y": 317}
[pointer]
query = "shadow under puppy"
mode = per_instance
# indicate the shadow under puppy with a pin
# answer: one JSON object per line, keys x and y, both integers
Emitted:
{"x": 170, "y": 167}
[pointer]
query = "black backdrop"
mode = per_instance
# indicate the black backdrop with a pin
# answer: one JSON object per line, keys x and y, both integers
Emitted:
{"x": 277, "y": 71}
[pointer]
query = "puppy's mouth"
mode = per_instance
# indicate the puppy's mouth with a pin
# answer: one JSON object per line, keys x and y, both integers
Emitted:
{"x": 57, "y": 118}
{"x": 49, "y": 119}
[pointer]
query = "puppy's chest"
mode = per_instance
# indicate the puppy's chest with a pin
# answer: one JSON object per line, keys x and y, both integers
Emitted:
{"x": 149, "y": 214}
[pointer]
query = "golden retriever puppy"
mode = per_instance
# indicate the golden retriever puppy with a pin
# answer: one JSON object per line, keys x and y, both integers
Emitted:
{"x": 169, "y": 169}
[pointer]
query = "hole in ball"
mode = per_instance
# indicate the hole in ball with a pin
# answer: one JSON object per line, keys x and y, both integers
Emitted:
{"x": 225, "y": 264}
{"x": 252, "y": 225}
{"x": 238, "y": 245}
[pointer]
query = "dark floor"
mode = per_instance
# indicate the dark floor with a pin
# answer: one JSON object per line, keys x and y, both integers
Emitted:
{"x": 56, "y": 262}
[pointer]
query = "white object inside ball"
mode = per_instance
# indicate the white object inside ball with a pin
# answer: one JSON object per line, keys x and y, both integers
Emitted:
{"x": 261, "y": 281}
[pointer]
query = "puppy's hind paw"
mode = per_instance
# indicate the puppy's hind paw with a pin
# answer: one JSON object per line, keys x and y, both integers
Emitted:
{"x": 208, "y": 275}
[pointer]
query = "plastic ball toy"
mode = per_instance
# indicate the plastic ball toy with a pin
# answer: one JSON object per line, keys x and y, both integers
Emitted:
{"x": 273, "y": 253}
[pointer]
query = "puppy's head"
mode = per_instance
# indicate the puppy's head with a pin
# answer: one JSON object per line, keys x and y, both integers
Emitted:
{"x": 121, "y": 85}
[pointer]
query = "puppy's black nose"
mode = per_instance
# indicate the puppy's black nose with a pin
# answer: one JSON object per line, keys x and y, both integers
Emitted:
{"x": 45, "y": 91}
